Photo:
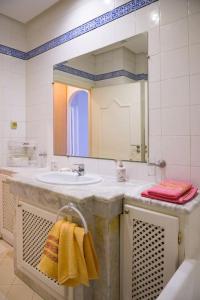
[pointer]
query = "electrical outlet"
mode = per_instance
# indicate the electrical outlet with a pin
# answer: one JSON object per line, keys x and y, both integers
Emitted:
{"x": 13, "y": 125}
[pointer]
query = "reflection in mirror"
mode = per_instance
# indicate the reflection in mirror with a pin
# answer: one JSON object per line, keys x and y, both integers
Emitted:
{"x": 100, "y": 102}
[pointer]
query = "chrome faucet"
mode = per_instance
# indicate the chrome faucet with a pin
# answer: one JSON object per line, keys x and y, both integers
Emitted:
{"x": 80, "y": 169}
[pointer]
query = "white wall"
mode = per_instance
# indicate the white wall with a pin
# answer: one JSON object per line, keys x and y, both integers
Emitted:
{"x": 174, "y": 74}
{"x": 12, "y": 84}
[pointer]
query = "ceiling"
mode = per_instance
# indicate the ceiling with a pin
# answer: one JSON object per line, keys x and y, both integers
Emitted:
{"x": 24, "y": 10}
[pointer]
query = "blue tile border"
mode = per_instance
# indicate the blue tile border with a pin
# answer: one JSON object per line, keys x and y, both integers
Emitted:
{"x": 95, "y": 23}
{"x": 73, "y": 71}
{"x": 99, "y": 77}
{"x": 12, "y": 52}
{"x": 120, "y": 73}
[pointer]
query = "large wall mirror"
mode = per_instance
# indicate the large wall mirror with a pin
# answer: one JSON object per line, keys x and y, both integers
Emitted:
{"x": 100, "y": 102}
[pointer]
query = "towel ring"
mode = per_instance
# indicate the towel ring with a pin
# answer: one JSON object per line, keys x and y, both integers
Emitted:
{"x": 70, "y": 207}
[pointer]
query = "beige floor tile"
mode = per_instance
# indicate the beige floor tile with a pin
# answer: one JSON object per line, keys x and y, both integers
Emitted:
{"x": 3, "y": 291}
{"x": 5, "y": 249}
{"x": 36, "y": 297}
{"x": 5, "y": 244}
{"x": 11, "y": 287}
{"x": 19, "y": 292}
{"x": 6, "y": 271}
{"x": 18, "y": 281}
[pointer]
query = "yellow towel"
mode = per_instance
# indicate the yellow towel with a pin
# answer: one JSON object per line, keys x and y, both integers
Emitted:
{"x": 49, "y": 260}
{"x": 90, "y": 257}
{"x": 76, "y": 261}
{"x": 73, "y": 270}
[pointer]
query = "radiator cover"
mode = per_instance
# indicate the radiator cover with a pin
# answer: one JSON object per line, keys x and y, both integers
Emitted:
{"x": 33, "y": 225}
{"x": 149, "y": 252}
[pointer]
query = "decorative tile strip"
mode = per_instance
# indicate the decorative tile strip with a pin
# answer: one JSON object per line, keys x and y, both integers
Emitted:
{"x": 74, "y": 71}
{"x": 12, "y": 52}
{"x": 104, "y": 19}
{"x": 120, "y": 73}
{"x": 105, "y": 76}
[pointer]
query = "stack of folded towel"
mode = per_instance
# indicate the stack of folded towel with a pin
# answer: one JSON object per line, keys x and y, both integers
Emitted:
{"x": 69, "y": 255}
{"x": 171, "y": 191}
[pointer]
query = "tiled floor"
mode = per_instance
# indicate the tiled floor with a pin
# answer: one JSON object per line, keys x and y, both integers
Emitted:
{"x": 11, "y": 287}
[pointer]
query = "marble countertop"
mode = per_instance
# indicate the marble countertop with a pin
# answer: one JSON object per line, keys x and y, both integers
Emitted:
{"x": 109, "y": 191}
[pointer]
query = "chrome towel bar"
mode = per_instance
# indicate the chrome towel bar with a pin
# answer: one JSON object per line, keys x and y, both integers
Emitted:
{"x": 159, "y": 163}
{"x": 71, "y": 207}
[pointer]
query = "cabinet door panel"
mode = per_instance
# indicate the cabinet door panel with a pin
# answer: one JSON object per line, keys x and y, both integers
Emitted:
{"x": 7, "y": 208}
{"x": 149, "y": 252}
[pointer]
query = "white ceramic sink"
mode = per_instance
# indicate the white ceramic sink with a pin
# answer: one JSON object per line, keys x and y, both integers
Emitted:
{"x": 68, "y": 178}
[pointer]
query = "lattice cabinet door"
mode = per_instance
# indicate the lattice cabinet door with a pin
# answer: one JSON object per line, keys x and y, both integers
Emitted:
{"x": 7, "y": 207}
{"x": 33, "y": 225}
{"x": 149, "y": 252}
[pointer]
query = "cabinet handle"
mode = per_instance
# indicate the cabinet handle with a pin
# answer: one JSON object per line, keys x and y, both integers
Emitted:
{"x": 126, "y": 211}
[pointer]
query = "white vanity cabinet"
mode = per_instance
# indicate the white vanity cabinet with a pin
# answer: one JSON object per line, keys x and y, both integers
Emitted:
{"x": 155, "y": 238}
{"x": 7, "y": 208}
{"x": 149, "y": 252}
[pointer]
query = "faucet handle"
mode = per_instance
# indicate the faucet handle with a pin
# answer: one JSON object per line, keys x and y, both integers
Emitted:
{"x": 80, "y": 168}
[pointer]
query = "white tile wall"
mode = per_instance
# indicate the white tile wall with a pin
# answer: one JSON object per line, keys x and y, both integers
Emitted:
{"x": 147, "y": 18}
{"x": 175, "y": 121}
{"x": 195, "y": 150}
{"x": 180, "y": 156}
{"x": 174, "y": 63}
{"x": 174, "y": 35}
{"x": 154, "y": 40}
{"x": 179, "y": 173}
{"x": 175, "y": 92}
{"x": 155, "y": 121}
{"x": 195, "y": 120}
{"x": 155, "y": 146}
{"x": 154, "y": 68}
{"x": 194, "y": 6}
{"x": 195, "y": 175}
{"x": 195, "y": 89}
{"x": 173, "y": 10}
{"x": 154, "y": 94}
{"x": 194, "y": 24}
{"x": 174, "y": 76}
{"x": 12, "y": 96}
{"x": 194, "y": 59}
{"x": 12, "y": 33}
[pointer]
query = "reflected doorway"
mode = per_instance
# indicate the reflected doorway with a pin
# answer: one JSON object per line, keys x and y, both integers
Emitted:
{"x": 78, "y": 131}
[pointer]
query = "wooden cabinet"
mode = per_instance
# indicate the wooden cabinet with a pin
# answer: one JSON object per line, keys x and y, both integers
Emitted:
{"x": 149, "y": 252}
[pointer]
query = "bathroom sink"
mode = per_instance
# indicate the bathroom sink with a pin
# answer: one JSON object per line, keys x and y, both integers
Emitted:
{"x": 68, "y": 178}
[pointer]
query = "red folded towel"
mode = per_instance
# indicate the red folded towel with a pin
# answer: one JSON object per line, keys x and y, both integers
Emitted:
{"x": 171, "y": 191}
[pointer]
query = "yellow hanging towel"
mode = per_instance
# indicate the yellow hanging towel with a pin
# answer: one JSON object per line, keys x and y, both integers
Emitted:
{"x": 76, "y": 258}
{"x": 49, "y": 260}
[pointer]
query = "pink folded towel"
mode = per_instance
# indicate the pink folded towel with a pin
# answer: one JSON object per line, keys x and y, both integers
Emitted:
{"x": 171, "y": 191}
{"x": 189, "y": 195}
